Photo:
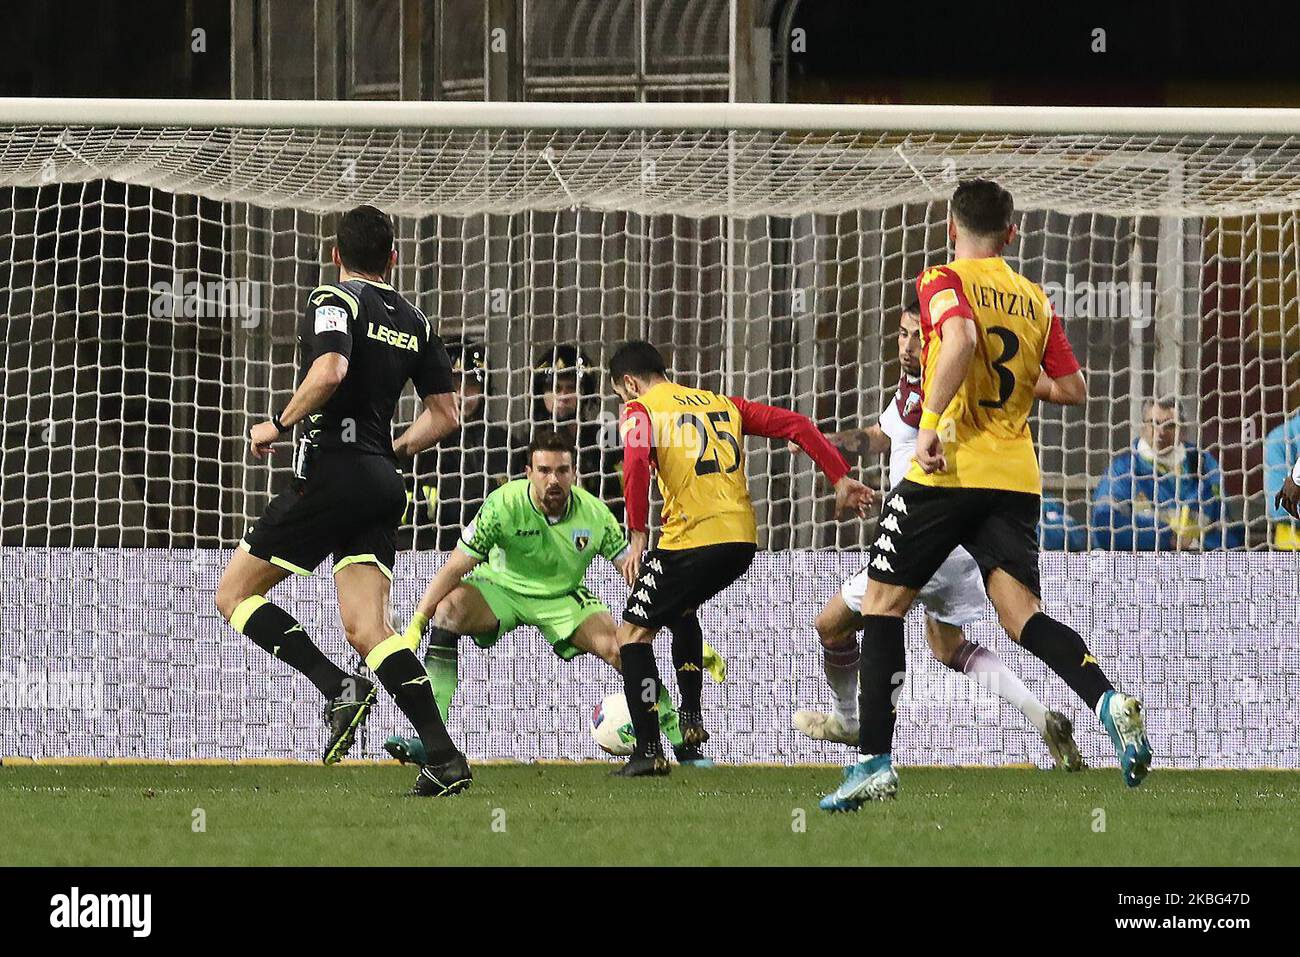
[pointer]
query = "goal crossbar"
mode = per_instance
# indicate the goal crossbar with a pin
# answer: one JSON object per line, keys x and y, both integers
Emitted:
{"x": 1219, "y": 121}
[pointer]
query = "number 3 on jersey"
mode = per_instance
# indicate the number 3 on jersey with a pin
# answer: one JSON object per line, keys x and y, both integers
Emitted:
{"x": 1006, "y": 378}
{"x": 704, "y": 465}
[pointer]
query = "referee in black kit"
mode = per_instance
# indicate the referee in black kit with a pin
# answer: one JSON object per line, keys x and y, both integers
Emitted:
{"x": 360, "y": 342}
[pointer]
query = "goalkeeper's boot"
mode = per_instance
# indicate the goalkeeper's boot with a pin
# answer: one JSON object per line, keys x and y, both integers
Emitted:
{"x": 824, "y": 727}
{"x": 714, "y": 663}
{"x": 344, "y": 714}
{"x": 1059, "y": 735}
{"x": 1121, "y": 716}
{"x": 870, "y": 780}
{"x": 692, "y": 725}
{"x": 690, "y": 756}
{"x": 406, "y": 750}
{"x": 644, "y": 765}
{"x": 443, "y": 780}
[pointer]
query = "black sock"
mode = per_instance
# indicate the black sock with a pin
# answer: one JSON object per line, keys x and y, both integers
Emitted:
{"x": 401, "y": 673}
{"x": 273, "y": 629}
{"x": 1063, "y": 650}
{"x": 641, "y": 686}
{"x": 688, "y": 663}
{"x": 880, "y": 674}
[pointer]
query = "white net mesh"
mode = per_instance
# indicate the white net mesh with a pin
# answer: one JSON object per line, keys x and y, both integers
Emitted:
{"x": 152, "y": 278}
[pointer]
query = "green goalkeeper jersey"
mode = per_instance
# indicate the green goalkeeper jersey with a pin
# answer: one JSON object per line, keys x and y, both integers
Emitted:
{"x": 531, "y": 555}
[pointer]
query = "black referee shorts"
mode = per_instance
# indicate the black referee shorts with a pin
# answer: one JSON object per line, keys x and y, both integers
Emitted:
{"x": 920, "y": 525}
{"x": 677, "y": 580}
{"x": 345, "y": 503}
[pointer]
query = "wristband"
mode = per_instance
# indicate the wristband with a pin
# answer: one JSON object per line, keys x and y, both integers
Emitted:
{"x": 929, "y": 420}
{"x": 275, "y": 420}
{"x": 1295, "y": 472}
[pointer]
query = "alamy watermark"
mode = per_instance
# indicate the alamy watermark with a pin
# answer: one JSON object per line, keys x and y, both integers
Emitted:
{"x": 176, "y": 298}
{"x": 52, "y": 690}
{"x": 1132, "y": 301}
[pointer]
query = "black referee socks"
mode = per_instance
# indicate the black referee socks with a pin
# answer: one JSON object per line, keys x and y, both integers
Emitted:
{"x": 641, "y": 686}
{"x": 403, "y": 677}
{"x": 688, "y": 663}
{"x": 880, "y": 673}
{"x": 273, "y": 629}
{"x": 1063, "y": 650}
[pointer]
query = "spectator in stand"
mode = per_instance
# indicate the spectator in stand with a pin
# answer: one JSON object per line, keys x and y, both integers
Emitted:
{"x": 1281, "y": 452}
{"x": 565, "y": 398}
{"x": 459, "y": 472}
{"x": 1163, "y": 494}
{"x": 1058, "y": 531}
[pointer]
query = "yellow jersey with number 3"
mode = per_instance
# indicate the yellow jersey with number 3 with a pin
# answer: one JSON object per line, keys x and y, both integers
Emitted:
{"x": 695, "y": 438}
{"x": 987, "y": 442}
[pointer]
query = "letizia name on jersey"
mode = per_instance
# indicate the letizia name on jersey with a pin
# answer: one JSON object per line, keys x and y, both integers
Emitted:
{"x": 1004, "y": 301}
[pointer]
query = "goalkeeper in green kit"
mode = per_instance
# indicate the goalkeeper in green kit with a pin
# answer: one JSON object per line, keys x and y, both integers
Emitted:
{"x": 537, "y": 536}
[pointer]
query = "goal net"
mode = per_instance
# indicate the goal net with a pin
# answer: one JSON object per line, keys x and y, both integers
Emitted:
{"x": 155, "y": 257}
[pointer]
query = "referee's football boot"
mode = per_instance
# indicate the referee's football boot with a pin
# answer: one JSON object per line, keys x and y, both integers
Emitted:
{"x": 345, "y": 713}
{"x": 1059, "y": 735}
{"x": 1121, "y": 716}
{"x": 443, "y": 780}
{"x": 863, "y": 781}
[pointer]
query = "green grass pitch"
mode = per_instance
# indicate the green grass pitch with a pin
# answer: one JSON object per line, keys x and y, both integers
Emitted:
{"x": 576, "y": 814}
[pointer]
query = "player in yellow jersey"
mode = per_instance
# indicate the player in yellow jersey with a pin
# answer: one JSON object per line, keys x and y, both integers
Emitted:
{"x": 974, "y": 483}
{"x": 693, "y": 439}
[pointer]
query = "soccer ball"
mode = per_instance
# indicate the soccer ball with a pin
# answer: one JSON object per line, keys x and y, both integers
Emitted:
{"x": 611, "y": 726}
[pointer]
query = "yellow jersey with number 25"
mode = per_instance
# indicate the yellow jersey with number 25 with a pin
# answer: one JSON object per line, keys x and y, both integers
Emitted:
{"x": 987, "y": 442}
{"x": 695, "y": 438}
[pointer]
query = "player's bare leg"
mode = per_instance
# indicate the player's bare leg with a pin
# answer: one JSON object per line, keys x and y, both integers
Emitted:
{"x": 950, "y": 646}
{"x": 241, "y": 599}
{"x": 1063, "y": 650}
{"x": 837, "y": 629}
{"x": 363, "y": 606}
{"x": 642, "y": 686}
{"x": 881, "y": 673}
{"x": 464, "y": 611}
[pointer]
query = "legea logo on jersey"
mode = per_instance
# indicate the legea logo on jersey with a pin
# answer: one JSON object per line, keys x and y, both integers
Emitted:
{"x": 402, "y": 340}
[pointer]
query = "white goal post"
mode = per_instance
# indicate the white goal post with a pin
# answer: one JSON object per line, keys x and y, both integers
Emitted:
{"x": 155, "y": 257}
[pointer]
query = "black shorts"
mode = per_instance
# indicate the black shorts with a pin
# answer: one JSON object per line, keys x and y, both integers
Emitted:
{"x": 345, "y": 503}
{"x": 677, "y": 580}
{"x": 920, "y": 525}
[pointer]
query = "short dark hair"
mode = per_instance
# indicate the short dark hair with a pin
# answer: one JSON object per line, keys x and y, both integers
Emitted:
{"x": 365, "y": 239}
{"x": 637, "y": 358}
{"x": 549, "y": 440}
{"x": 983, "y": 207}
{"x": 912, "y": 305}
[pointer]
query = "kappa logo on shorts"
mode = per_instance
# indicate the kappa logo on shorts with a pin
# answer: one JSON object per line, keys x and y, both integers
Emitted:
{"x": 881, "y": 563}
{"x": 890, "y": 524}
{"x": 897, "y": 504}
{"x": 648, "y": 580}
{"x": 886, "y": 544}
{"x": 642, "y": 595}
{"x": 637, "y": 610}
{"x": 654, "y": 564}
